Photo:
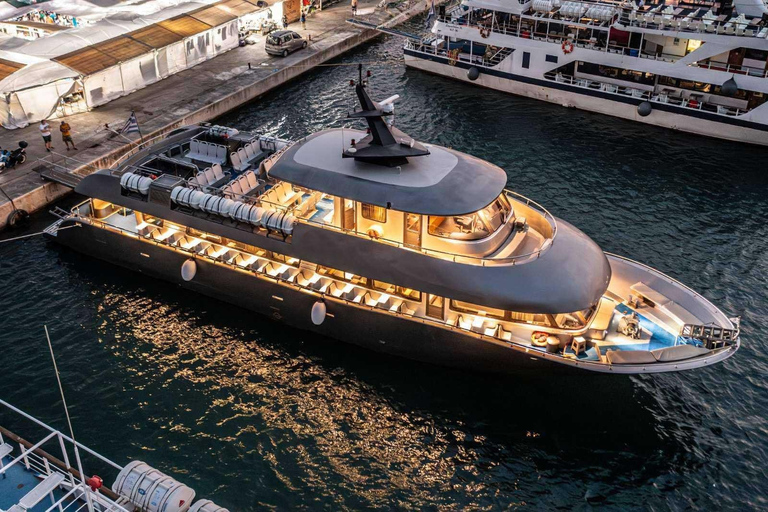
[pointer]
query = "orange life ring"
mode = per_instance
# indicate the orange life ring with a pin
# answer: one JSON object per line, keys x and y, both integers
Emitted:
{"x": 539, "y": 339}
{"x": 567, "y": 46}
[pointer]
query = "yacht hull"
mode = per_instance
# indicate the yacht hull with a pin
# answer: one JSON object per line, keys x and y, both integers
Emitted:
{"x": 592, "y": 101}
{"x": 363, "y": 326}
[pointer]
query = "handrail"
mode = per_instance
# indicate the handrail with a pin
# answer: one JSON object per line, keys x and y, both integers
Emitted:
{"x": 64, "y": 436}
{"x": 656, "y": 97}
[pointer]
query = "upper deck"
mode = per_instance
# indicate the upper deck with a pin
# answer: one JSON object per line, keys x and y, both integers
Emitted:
{"x": 446, "y": 205}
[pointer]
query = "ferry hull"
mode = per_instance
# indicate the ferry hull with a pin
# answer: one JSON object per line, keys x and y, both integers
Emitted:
{"x": 595, "y": 102}
{"x": 362, "y": 326}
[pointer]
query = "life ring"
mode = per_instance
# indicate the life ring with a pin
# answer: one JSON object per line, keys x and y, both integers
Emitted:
{"x": 567, "y": 46}
{"x": 539, "y": 339}
{"x": 485, "y": 32}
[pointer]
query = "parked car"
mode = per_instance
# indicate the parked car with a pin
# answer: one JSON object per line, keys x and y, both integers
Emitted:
{"x": 284, "y": 42}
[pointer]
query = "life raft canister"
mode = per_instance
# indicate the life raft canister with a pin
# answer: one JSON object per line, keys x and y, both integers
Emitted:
{"x": 567, "y": 46}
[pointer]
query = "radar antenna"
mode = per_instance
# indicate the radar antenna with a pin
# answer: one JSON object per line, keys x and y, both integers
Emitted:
{"x": 384, "y": 145}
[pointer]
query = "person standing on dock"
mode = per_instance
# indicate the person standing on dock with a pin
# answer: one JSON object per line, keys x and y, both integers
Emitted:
{"x": 354, "y": 7}
{"x": 66, "y": 135}
{"x": 285, "y": 22}
{"x": 303, "y": 20}
{"x": 45, "y": 131}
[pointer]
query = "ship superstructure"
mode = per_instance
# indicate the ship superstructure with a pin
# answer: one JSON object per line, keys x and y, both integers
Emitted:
{"x": 699, "y": 68}
{"x": 399, "y": 246}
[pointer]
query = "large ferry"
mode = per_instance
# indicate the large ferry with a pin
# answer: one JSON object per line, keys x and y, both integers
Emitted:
{"x": 399, "y": 246}
{"x": 698, "y": 67}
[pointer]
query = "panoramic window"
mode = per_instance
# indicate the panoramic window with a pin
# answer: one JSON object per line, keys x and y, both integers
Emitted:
{"x": 473, "y": 226}
{"x": 373, "y": 212}
{"x": 528, "y": 318}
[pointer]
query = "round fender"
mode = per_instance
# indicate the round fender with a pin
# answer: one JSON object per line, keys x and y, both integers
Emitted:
{"x": 645, "y": 108}
{"x": 473, "y": 73}
{"x": 318, "y": 312}
{"x": 730, "y": 87}
{"x": 188, "y": 270}
{"x": 17, "y": 218}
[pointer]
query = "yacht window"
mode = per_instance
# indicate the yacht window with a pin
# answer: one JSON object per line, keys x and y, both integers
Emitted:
{"x": 512, "y": 316}
{"x": 473, "y": 226}
{"x": 205, "y": 236}
{"x": 391, "y": 289}
{"x": 341, "y": 275}
{"x": 459, "y": 227}
{"x": 467, "y": 307}
{"x": 373, "y": 212}
{"x": 576, "y": 320}
{"x": 435, "y": 306}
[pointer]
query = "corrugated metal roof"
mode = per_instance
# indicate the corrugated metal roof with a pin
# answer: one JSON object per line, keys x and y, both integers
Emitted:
{"x": 8, "y": 67}
{"x": 123, "y": 48}
{"x": 238, "y": 7}
{"x": 212, "y": 15}
{"x": 87, "y": 61}
{"x": 155, "y": 36}
{"x": 185, "y": 25}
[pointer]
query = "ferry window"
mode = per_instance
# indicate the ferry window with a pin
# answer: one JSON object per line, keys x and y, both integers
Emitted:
{"x": 391, "y": 289}
{"x": 526, "y": 60}
{"x": 435, "y": 306}
{"x": 373, "y": 212}
{"x": 205, "y": 236}
{"x": 551, "y": 58}
{"x": 494, "y": 215}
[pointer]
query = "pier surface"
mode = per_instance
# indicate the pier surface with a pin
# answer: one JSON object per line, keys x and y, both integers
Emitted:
{"x": 196, "y": 95}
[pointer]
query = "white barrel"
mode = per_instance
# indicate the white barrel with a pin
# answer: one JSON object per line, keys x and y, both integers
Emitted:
{"x": 226, "y": 206}
{"x": 256, "y": 215}
{"x": 207, "y": 202}
{"x": 288, "y": 222}
{"x": 196, "y": 197}
{"x": 152, "y": 490}
{"x": 206, "y": 506}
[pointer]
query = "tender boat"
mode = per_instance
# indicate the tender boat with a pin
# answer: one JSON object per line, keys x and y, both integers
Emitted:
{"x": 399, "y": 246}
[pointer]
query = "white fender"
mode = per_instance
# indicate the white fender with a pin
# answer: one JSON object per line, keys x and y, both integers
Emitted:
{"x": 318, "y": 312}
{"x": 188, "y": 270}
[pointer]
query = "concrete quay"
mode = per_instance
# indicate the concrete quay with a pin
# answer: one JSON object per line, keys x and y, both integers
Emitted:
{"x": 196, "y": 95}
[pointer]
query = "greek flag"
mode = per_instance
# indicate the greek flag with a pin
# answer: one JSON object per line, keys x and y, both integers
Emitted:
{"x": 131, "y": 125}
{"x": 430, "y": 16}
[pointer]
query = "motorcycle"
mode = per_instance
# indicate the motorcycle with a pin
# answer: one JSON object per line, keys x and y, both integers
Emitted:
{"x": 10, "y": 159}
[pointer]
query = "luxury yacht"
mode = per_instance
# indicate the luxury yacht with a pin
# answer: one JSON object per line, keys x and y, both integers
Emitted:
{"x": 403, "y": 247}
{"x": 695, "y": 66}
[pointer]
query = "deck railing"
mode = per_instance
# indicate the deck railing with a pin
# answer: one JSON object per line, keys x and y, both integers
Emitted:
{"x": 34, "y": 459}
{"x": 653, "y": 97}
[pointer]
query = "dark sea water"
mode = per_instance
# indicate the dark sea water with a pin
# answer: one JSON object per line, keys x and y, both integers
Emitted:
{"x": 258, "y": 416}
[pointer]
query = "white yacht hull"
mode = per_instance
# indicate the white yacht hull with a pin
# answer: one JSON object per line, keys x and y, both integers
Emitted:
{"x": 591, "y": 103}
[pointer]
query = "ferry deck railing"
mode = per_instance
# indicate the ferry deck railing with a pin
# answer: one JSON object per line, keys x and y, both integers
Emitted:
{"x": 653, "y": 97}
{"x": 35, "y": 460}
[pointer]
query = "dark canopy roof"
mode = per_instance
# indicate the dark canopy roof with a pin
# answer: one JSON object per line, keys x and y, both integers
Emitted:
{"x": 445, "y": 182}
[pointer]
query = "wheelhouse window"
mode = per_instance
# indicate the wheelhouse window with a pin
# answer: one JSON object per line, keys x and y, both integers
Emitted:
{"x": 474, "y": 226}
{"x": 373, "y": 212}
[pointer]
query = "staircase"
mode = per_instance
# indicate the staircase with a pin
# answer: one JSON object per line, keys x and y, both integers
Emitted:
{"x": 36, "y": 495}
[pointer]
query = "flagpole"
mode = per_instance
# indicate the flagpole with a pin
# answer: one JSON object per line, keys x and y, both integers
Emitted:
{"x": 141, "y": 137}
